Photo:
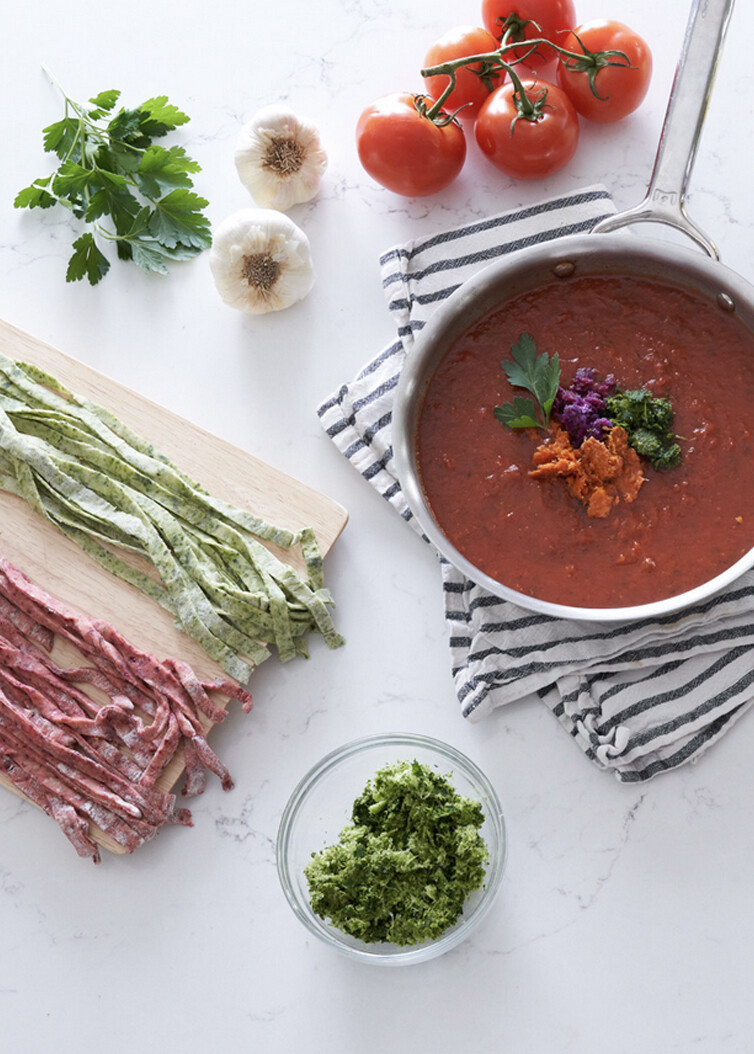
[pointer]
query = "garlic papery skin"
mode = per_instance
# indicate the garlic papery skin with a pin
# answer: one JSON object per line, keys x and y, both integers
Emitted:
{"x": 279, "y": 158}
{"x": 261, "y": 261}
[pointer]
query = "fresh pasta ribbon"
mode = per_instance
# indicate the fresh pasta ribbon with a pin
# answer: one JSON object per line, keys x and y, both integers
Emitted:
{"x": 112, "y": 493}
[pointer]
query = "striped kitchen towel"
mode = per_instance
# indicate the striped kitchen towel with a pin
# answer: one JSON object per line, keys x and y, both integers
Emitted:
{"x": 639, "y": 698}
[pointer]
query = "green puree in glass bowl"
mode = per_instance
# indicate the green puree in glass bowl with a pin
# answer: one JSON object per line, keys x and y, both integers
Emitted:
{"x": 405, "y": 865}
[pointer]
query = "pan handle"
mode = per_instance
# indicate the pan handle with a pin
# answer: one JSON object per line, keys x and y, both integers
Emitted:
{"x": 665, "y": 201}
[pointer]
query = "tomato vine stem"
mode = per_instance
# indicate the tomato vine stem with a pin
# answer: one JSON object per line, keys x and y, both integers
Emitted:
{"x": 495, "y": 62}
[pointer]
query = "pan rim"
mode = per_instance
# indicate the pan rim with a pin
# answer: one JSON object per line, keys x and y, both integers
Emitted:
{"x": 609, "y": 253}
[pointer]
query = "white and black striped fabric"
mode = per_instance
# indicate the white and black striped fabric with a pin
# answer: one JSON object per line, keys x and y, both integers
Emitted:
{"x": 640, "y": 698}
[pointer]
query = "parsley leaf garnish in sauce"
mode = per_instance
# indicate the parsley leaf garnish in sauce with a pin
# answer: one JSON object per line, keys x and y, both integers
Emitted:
{"x": 540, "y": 375}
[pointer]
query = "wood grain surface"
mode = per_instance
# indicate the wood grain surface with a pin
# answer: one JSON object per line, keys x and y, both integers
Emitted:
{"x": 42, "y": 552}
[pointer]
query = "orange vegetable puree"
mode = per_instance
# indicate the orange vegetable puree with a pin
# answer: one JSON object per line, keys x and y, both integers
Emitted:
{"x": 600, "y": 474}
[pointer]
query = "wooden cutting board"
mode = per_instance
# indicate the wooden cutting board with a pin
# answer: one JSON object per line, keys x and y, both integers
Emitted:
{"x": 59, "y": 566}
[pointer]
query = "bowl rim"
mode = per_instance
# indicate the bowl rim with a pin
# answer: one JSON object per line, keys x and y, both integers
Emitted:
{"x": 403, "y": 955}
{"x": 620, "y": 252}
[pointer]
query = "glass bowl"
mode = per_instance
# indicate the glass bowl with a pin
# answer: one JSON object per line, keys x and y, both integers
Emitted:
{"x": 320, "y": 807}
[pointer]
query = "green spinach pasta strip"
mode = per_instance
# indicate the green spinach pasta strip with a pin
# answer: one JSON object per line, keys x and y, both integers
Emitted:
{"x": 259, "y": 558}
{"x": 108, "y": 489}
{"x": 133, "y": 451}
{"x": 189, "y": 605}
{"x": 66, "y": 433}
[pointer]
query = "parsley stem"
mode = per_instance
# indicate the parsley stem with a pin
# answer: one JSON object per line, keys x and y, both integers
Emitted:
{"x": 86, "y": 121}
{"x": 55, "y": 81}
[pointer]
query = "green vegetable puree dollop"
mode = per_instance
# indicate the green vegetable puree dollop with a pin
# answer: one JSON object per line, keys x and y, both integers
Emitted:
{"x": 405, "y": 865}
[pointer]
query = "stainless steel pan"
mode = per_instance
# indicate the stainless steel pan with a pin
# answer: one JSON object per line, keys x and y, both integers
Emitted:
{"x": 607, "y": 249}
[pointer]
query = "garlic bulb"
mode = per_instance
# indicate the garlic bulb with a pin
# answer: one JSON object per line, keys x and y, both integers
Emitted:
{"x": 261, "y": 261}
{"x": 279, "y": 158}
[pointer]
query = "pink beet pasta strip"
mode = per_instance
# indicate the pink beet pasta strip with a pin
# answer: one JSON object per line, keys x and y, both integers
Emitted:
{"x": 83, "y": 761}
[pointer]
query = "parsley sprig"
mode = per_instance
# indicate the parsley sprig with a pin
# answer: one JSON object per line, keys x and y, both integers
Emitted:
{"x": 538, "y": 374}
{"x": 110, "y": 167}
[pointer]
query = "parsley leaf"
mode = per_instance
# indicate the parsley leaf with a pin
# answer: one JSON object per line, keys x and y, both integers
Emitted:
{"x": 129, "y": 191}
{"x": 61, "y": 137}
{"x": 35, "y": 196}
{"x": 521, "y": 413}
{"x": 177, "y": 219}
{"x": 540, "y": 375}
{"x": 86, "y": 260}
{"x": 162, "y": 169}
{"x": 111, "y": 195}
{"x": 149, "y": 258}
{"x": 105, "y": 100}
{"x": 73, "y": 181}
{"x": 158, "y": 116}
{"x": 125, "y": 127}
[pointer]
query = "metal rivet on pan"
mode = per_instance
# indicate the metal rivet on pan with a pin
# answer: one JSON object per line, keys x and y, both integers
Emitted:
{"x": 564, "y": 269}
{"x": 726, "y": 302}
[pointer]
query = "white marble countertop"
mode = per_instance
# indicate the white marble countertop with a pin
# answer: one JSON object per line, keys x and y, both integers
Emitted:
{"x": 624, "y": 921}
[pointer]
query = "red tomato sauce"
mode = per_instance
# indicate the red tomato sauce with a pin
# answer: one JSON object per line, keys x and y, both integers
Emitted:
{"x": 687, "y": 524}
